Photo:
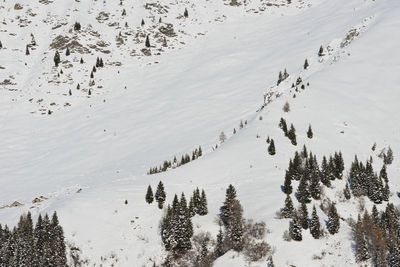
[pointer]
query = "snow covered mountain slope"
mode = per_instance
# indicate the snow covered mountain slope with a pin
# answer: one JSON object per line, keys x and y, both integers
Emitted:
{"x": 147, "y": 112}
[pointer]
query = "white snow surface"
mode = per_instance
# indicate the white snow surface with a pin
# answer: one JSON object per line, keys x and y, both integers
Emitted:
{"x": 154, "y": 107}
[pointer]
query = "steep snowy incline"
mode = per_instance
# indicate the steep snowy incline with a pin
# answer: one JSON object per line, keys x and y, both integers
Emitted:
{"x": 168, "y": 108}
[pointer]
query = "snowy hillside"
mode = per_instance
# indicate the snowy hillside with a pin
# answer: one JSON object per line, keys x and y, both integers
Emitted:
{"x": 86, "y": 154}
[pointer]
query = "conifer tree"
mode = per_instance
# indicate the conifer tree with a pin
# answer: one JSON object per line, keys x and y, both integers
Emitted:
{"x": 280, "y": 78}
{"x": 124, "y": 12}
{"x": 333, "y": 220}
{"x": 362, "y": 253}
{"x": 303, "y": 192}
{"x": 292, "y": 135}
{"x": 67, "y": 53}
{"x": 57, "y": 59}
{"x": 303, "y": 216}
{"x": 287, "y": 186}
{"x": 270, "y": 262}
{"x": 295, "y": 230}
{"x": 325, "y": 173}
{"x": 142, "y": 23}
{"x": 1, "y": 45}
{"x": 346, "y": 192}
{"x": 309, "y": 132}
{"x": 91, "y": 75}
{"x": 58, "y": 254}
{"x": 271, "y": 148}
{"x": 225, "y": 210}
{"x": 283, "y": 126}
{"x": 27, "y": 50}
{"x": 388, "y": 157}
{"x": 81, "y": 61}
{"x": 235, "y": 228}
{"x": 186, "y": 13}
{"x": 149, "y": 195}
{"x": 147, "y": 42}
{"x": 160, "y": 195}
{"x": 288, "y": 209}
{"x": 69, "y": 92}
{"x": 315, "y": 189}
{"x": 321, "y": 51}
{"x": 315, "y": 226}
{"x": 306, "y": 64}
{"x": 203, "y": 210}
{"x": 219, "y": 248}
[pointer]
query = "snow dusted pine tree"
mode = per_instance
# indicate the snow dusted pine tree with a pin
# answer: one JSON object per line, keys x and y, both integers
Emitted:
{"x": 333, "y": 220}
{"x": 149, "y": 195}
{"x": 315, "y": 226}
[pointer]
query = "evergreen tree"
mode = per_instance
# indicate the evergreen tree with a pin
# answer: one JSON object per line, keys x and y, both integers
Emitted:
{"x": 333, "y": 220}
{"x": 325, "y": 172}
{"x": 292, "y": 135}
{"x": 283, "y": 126}
{"x": 149, "y": 195}
{"x": 147, "y": 41}
{"x": 124, "y": 12}
{"x": 362, "y": 253}
{"x": 142, "y": 23}
{"x": 315, "y": 189}
{"x": 58, "y": 254}
{"x": 303, "y": 216}
{"x": 270, "y": 262}
{"x": 287, "y": 186}
{"x": 321, "y": 51}
{"x": 186, "y": 13}
{"x": 160, "y": 195}
{"x": 224, "y": 210}
{"x": 27, "y": 50}
{"x": 271, "y": 148}
{"x": 1, "y": 45}
{"x": 383, "y": 174}
{"x": 288, "y": 209}
{"x": 346, "y": 192}
{"x": 295, "y": 230}
{"x": 81, "y": 61}
{"x": 166, "y": 229}
{"x": 235, "y": 229}
{"x": 388, "y": 158}
{"x": 57, "y": 59}
{"x": 280, "y": 78}
{"x": 309, "y": 132}
{"x": 315, "y": 226}
{"x": 306, "y": 64}
{"x": 67, "y": 53}
{"x": 303, "y": 193}
{"x": 91, "y": 75}
{"x": 219, "y": 248}
{"x": 203, "y": 210}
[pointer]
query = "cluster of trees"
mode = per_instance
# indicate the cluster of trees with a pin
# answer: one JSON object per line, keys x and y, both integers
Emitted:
{"x": 365, "y": 182}
{"x": 282, "y": 77}
{"x": 199, "y": 250}
{"x": 241, "y": 125}
{"x": 304, "y": 168}
{"x": 291, "y": 133}
{"x": 36, "y": 246}
{"x": 99, "y": 62}
{"x": 377, "y": 237}
{"x": 160, "y": 195}
{"x": 177, "y": 227}
{"x": 198, "y": 152}
{"x": 300, "y": 220}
